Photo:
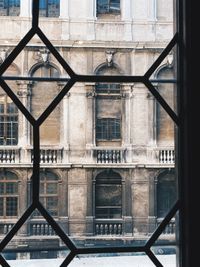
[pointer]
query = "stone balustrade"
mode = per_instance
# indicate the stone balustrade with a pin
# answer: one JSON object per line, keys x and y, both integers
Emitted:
{"x": 50, "y": 155}
{"x": 110, "y": 156}
{"x": 9, "y": 155}
{"x": 170, "y": 228}
{"x": 166, "y": 156}
{"x": 108, "y": 227}
{"x": 5, "y": 228}
{"x": 41, "y": 229}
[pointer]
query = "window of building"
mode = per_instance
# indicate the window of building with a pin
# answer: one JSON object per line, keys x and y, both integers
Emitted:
{"x": 108, "y": 129}
{"x": 108, "y": 196}
{"x": 110, "y": 88}
{"x": 9, "y": 7}
{"x": 166, "y": 193}
{"x": 49, "y": 191}
{"x": 49, "y": 8}
{"x": 108, "y": 6}
{"x": 8, "y": 121}
{"x": 8, "y": 194}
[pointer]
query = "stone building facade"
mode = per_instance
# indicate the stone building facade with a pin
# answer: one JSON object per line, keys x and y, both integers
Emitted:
{"x": 107, "y": 150}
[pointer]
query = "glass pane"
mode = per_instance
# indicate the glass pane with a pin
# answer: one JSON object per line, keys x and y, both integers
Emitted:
{"x": 11, "y": 188}
{"x": 2, "y": 188}
{"x": 108, "y": 195}
{"x": 1, "y": 206}
{"x": 11, "y": 206}
{"x": 52, "y": 188}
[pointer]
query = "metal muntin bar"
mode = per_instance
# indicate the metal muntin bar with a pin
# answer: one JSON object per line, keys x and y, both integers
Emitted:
{"x": 162, "y": 56}
{"x": 16, "y": 51}
{"x": 56, "y": 54}
{"x": 162, "y": 102}
{"x": 3, "y": 262}
{"x": 60, "y": 79}
{"x": 16, "y": 227}
{"x": 154, "y": 259}
{"x": 35, "y": 13}
{"x": 36, "y": 164}
{"x": 163, "y": 224}
{"x": 56, "y": 227}
{"x": 17, "y": 102}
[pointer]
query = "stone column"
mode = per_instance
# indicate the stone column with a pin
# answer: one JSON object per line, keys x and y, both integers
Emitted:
{"x": 24, "y": 93}
{"x": 152, "y": 10}
{"x": 64, "y": 131}
{"x": 90, "y": 121}
{"x": 23, "y": 198}
{"x": 25, "y": 8}
{"x": 126, "y": 15}
{"x": 126, "y": 121}
{"x": 64, "y": 9}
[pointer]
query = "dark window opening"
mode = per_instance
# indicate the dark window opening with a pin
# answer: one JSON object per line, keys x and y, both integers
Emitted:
{"x": 8, "y": 194}
{"x": 9, "y": 7}
{"x": 108, "y": 129}
{"x": 166, "y": 194}
{"x": 108, "y": 196}
{"x": 108, "y": 6}
{"x": 49, "y": 8}
{"x": 108, "y": 88}
{"x": 8, "y": 121}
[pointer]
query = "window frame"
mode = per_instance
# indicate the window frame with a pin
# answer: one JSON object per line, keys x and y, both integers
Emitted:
{"x": 44, "y": 12}
{"x": 7, "y": 118}
{"x": 8, "y": 13}
{"x": 4, "y": 179}
{"x": 109, "y": 8}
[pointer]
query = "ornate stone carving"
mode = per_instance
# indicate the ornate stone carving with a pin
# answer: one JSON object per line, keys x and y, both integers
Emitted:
{"x": 109, "y": 57}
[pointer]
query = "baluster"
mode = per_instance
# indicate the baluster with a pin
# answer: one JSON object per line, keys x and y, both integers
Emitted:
{"x": 46, "y": 229}
{"x": 37, "y": 229}
{"x": 118, "y": 156}
{"x": 4, "y": 156}
{"x": 110, "y": 229}
{"x": 9, "y": 227}
{"x": 98, "y": 156}
{"x": 119, "y": 229}
{"x": 115, "y": 229}
{"x": 55, "y": 156}
{"x": 106, "y": 156}
{"x": 33, "y": 229}
{"x": 5, "y": 229}
{"x": 106, "y": 229}
{"x": 101, "y": 229}
{"x": 97, "y": 229}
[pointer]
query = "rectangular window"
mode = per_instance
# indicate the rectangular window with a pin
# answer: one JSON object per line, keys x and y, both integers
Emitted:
{"x": 9, "y": 7}
{"x": 108, "y": 129}
{"x": 49, "y": 8}
{"x": 108, "y": 6}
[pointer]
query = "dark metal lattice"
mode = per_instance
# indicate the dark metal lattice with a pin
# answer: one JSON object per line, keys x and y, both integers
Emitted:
{"x": 74, "y": 78}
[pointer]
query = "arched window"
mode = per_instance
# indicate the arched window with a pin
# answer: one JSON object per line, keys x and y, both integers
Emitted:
{"x": 8, "y": 194}
{"x": 166, "y": 193}
{"x": 108, "y": 6}
{"x": 108, "y": 195}
{"x": 8, "y": 121}
{"x": 49, "y": 191}
{"x": 9, "y": 7}
{"x": 43, "y": 93}
{"x": 108, "y": 107}
{"x": 165, "y": 125}
{"x": 49, "y": 8}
